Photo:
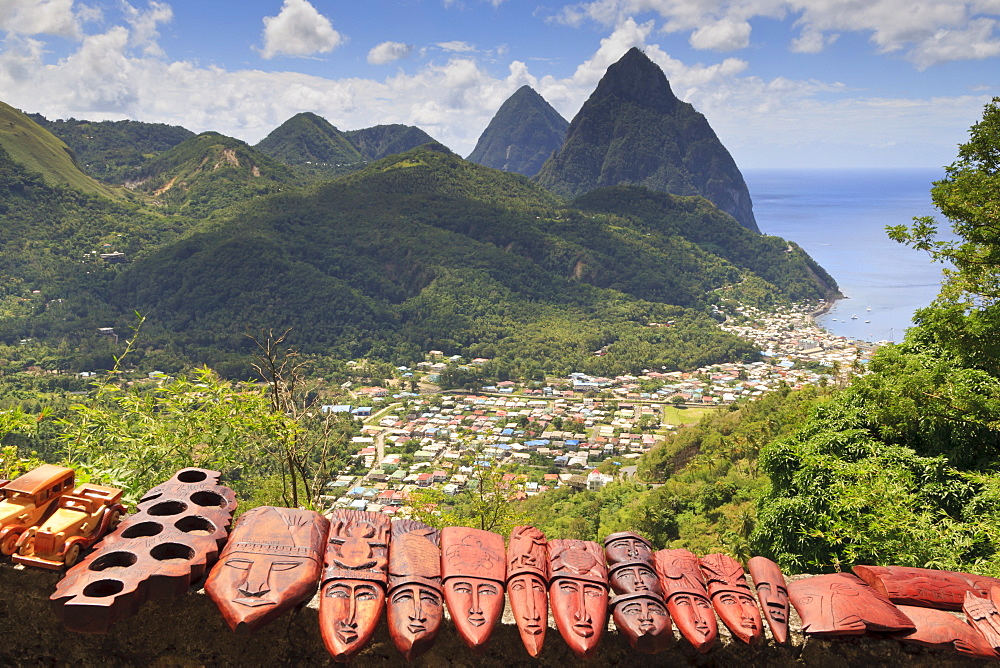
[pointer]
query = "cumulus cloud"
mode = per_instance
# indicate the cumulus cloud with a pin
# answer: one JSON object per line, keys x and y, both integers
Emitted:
{"x": 925, "y": 31}
{"x": 143, "y": 24}
{"x": 389, "y": 52}
{"x": 39, "y": 17}
{"x": 298, "y": 30}
{"x": 456, "y": 46}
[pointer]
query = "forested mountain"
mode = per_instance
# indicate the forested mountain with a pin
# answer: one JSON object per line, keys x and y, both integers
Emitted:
{"x": 208, "y": 172}
{"x": 525, "y": 131}
{"x": 111, "y": 150}
{"x": 30, "y": 145}
{"x": 381, "y": 141}
{"x": 633, "y": 130}
{"x": 309, "y": 138}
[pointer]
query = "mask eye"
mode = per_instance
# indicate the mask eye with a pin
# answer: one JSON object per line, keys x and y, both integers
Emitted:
{"x": 242, "y": 564}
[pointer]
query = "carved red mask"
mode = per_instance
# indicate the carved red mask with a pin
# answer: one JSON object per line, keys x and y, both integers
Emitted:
{"x": 474, "y": 569}
{"x": 643, "y": 619}
{"x": 527, "y": 582}
{"x": 578, "y": 593}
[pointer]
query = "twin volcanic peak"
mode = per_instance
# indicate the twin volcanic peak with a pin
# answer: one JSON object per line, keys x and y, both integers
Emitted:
{"x": 525, "y": 131}
{"x": 634, "y": 130}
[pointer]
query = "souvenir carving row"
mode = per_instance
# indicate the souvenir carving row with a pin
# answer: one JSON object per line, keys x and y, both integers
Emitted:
{"x": 363, "y": 563}
{"x": 169, "y": 543}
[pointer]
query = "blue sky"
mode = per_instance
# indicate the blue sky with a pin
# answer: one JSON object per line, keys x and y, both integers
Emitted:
{"x": 785, "y": 83}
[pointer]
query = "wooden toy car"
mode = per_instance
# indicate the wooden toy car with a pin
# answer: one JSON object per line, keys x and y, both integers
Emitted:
{"x": 82, "y": 518}
{"x": 28, "y": 500}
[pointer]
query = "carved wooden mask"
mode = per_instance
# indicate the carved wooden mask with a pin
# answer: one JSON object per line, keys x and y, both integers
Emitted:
{"x": 271, "y": 564}
{"x": 627, "y": 547}
{"x": 474, "y": 569}
{"x": 527, "y": 584}
{"x": 352, "y": 594}
{"x": 731, "y": 597}
{"x": 415, "y": 601}
{"x": 687, "y": 598}
{"x": 644, "y": 620}
{"x": 842, "y": 604}
{"x": 579, "y": 593}
{"x": 772, "y": 592}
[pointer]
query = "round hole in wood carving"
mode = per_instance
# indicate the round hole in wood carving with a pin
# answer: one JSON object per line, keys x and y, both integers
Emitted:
{"x": 103, "y": 588}
{"x": 113, "y": 560}
{"x": 195, "y": 525}
{"x": 208, "y": 499}
{"x": 191, "y": 476}
{"x": 172, "y": 552}
{"x": 142, "y": 529}
{"x": 168, "y": 508}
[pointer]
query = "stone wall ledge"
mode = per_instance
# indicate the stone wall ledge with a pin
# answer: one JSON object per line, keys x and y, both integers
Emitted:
{"x": 189, "y": 631}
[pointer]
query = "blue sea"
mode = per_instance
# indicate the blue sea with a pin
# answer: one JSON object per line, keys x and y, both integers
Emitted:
{"x": 839, "y": 216}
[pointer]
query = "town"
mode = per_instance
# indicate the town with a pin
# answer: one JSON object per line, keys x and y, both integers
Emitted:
{"x": 579, "y": 430}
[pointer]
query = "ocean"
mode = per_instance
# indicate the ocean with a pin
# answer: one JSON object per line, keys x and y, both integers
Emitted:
{"x": 839, "y": 216}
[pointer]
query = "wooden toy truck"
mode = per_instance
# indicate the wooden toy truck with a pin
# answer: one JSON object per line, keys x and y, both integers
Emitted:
{"x": 28, "y": 500}
{"x": 82, "y": 518}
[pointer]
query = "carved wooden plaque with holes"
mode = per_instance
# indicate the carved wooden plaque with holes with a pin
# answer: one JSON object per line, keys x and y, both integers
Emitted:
{"x": 842, "y": 604}
{"x": 687, "y": 599}
{"x": 925, "y": 587}
{"x": 527, "y": 585}
{"x": 474, "y": 568}
{"x": 731, "y": 597}
{"x": 578, "y": 592}
{"x": 772, "y": 592}
{"x": 271, "y": 564}
{"x": 352, "y": 594}
{"x": 415, "y": 599}
{"x": 170, "y": 542}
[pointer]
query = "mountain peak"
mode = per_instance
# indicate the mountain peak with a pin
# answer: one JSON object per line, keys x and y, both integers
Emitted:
{"x": 634, "y": 131}
{"x": 638, "y": 79}
{"x": 525, "y": 131}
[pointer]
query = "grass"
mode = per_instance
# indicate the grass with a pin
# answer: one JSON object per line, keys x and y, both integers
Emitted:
{"x": 40, "y": 151}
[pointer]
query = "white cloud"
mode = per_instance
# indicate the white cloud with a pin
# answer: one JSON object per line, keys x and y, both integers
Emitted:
{"x": 774, "y": 122}
{"x": 39, "y": 17}
{"x": 144, "y": 25}
{"x": 726, "y": 35}
{"x": 925, "y": 31}
{"x": 298, "y": 30}
{"x": 388, "y": 52}
{"x": 456, "y": 46}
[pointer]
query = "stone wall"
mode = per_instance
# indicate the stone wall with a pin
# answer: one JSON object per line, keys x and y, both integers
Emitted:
{"x": 189, "y": 631}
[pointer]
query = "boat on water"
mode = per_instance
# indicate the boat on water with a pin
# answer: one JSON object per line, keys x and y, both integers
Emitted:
{"x": 854, "y": 317}
{"x": 869, "y": 308}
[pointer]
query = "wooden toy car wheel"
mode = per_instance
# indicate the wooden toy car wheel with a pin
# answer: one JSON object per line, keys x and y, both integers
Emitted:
{"x": 72, "y": 555}
{"x": 114, "y": 520}
{"x": 9, "y": 544}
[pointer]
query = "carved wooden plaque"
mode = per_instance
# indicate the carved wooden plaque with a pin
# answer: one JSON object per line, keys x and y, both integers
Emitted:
{"x": 772, "y": 592}
{"x": 925, "y": 587}
{"x": 731, "y": 597}
{"x": 272, "y": 563}
{"x": 982, "y": 613}
{"x": 937, "y": 628}
{"x": 527, "y": 585}
{"x": 169, "y": 543}
{"x": 843, "y": 604}
{"x": 415, "y": 600}
{"x": 474, "y": 568}
{"x": 352, "y": 593}
{"x": 578, "y": 592}
{"x": 687, "y": 599}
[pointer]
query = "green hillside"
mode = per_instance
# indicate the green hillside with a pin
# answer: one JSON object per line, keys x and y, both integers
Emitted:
{"x": 30, "y": 145}
{"x": 208, "y": 172}
{"x": 424, "y": 249}
{"x": 111, "y": 151}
